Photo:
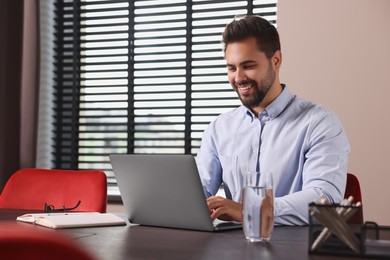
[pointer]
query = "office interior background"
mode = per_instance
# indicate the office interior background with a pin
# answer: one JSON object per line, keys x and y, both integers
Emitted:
{"x": 335, "y": 53}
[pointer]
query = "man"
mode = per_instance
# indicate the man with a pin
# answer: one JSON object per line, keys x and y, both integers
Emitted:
{"x": 301, "y": 144}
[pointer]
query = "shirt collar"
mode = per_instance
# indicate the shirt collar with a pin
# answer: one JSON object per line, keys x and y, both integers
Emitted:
{"x": 277, "y": 106}
{"x": 280, "y": 103}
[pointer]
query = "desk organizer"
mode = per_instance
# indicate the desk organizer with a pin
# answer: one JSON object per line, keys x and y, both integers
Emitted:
{"x": 368, "y": 240}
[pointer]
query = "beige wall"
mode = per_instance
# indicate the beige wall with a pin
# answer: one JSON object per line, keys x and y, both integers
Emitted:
{"x": 337, "y": 53}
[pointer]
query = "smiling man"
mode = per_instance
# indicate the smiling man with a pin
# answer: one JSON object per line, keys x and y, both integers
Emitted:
{"x": 302, "y": 145}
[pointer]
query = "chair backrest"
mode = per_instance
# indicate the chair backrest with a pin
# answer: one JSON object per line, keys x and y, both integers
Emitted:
{"x": 31, "y": 188}
{"x": 18, "y": 241}
{"x": 353, "y": 189}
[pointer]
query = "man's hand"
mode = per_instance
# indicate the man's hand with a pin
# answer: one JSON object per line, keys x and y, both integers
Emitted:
{"x": 224, "y": 209}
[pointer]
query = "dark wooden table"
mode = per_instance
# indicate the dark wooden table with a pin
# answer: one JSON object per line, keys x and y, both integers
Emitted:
{"x": 141, "y": 242}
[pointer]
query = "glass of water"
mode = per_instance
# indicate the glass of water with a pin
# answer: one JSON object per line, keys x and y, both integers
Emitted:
{"x": 258, "y": 206}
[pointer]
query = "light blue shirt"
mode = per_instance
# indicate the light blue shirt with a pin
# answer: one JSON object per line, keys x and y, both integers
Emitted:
{"x": 302, "y": 144}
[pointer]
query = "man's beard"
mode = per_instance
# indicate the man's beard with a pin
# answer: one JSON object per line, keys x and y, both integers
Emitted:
{"x": 260, "y": 91}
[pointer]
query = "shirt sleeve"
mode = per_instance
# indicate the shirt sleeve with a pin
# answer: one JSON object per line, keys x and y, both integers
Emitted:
{"x": 324, "y": 170}
{"x": 208, "y": 164}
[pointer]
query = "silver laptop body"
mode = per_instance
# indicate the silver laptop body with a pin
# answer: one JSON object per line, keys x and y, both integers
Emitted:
{"x": 165, "y": 191}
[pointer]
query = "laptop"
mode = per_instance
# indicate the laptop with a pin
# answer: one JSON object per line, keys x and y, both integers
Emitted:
{"x": 164, "y": 191}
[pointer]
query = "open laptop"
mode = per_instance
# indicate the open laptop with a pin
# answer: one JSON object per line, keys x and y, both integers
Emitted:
{"x": 164, "y": 191}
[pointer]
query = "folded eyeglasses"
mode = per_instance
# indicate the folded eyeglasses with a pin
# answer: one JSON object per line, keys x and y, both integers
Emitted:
{"x": 50, "y": 208}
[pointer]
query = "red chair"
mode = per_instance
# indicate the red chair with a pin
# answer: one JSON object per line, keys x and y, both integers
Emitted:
{"x": 19, "y": 241}
{"x": 353, "y": 189}
{"x": 31, "y": 188}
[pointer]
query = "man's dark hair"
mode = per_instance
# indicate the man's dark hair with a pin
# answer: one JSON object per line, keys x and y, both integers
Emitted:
{"x": 247, "y": 26}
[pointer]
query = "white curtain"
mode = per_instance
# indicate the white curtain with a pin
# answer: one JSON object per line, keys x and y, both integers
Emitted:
{"x": 46, "y": 83}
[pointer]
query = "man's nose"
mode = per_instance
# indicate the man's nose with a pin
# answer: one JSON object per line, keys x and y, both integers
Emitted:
{"x": 240, "y": 76}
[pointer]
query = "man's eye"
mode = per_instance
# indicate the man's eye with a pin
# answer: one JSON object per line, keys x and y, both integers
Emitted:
{"x": 249, "y": 67}
{"x": 231, "y": 69}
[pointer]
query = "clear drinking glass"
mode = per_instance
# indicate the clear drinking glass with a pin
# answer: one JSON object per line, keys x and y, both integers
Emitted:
{"x": 258, "y": 206}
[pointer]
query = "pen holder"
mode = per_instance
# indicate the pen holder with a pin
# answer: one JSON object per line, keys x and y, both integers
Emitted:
{"x": 330, "y": 233}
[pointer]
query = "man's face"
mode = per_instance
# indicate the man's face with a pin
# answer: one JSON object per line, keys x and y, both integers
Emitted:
{"x": 250, "y": 72}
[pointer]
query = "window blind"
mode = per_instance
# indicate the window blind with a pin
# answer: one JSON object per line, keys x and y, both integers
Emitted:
{"x": 139, "y": 76}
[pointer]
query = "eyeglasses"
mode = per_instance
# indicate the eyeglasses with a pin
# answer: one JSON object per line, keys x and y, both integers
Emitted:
{"x": 50, "y": 208}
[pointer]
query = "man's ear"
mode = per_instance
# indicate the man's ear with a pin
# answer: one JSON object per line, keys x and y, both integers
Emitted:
{"x": 277, "y": 59}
